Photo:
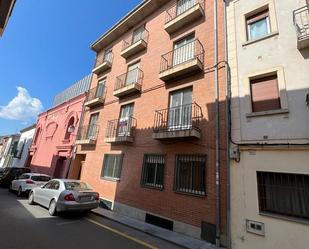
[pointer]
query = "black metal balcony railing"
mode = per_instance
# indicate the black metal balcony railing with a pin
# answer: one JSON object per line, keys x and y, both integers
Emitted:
{"x": 190, "y": 51}
{"x": 181, "y": 7}
{"x": 301, "y": 22}
{"x": 88, "y": 132}
{"x": 134, "y": 38}
{"x": 123, "y": 127}
{"x": 178, "y": 118}
{"x": 97, "y": 92}
{"x": 134, "y": 76}
{"x": 107, "y": 57}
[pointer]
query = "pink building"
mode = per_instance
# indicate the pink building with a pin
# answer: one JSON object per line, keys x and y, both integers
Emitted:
{"x": 52, "y": 147}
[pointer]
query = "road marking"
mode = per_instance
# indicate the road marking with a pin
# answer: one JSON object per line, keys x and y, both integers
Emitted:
{"x": 122, "y": 234}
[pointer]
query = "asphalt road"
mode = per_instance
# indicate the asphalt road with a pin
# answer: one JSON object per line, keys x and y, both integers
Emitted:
{"x": 30, "y": 227}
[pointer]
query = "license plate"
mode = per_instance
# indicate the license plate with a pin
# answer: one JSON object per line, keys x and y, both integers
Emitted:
{"x": 86, "y": 198}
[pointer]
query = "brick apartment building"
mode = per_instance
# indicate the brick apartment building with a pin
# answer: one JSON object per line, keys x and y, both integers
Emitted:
{"x": 53, "y": 142}
{"x": 148, "y": 138}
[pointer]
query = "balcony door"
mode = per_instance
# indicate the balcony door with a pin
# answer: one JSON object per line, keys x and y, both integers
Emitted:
{"x": 132, "y": 75}
{"x": 100, "y": 88}
{"x": 184, "y": 5}
{"x": 92, "y": 128}
{"x": 125, "y": 123}
{"x": 183, "y": 50}
{"x": 138, "y": 34}
{"x": 180, "y": 110}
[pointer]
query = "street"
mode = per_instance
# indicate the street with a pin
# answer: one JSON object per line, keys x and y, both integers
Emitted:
{"x": 30, "y": 227}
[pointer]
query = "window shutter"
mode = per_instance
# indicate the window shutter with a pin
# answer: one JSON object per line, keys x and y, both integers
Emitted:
{"x": 265, "y": 94}
{"x": 258, "y": 16}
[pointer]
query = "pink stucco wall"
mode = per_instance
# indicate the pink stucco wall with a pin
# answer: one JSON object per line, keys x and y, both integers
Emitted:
{"x": 51, "y": 152}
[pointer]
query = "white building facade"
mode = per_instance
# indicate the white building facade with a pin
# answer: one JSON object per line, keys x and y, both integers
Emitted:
{"x": 268, "y": 55}
{"x": 8, "y": 150}
{"x": 21, "y": 157}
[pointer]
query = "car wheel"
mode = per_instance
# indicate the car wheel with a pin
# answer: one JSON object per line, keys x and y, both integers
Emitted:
{"x": 31, "y": 198}
{"x": 19, "y": 192}
{"x": 52, "y": 208}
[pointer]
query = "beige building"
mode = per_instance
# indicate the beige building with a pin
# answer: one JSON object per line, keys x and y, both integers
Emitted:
{"x": 268, "y": 54}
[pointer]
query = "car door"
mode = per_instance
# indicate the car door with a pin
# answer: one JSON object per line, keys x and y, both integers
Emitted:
{"x": 51, "y": 193}
{"x": 43, "y": 193}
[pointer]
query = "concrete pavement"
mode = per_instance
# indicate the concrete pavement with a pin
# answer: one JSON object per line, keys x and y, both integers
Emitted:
{"x": 30, "y": 227}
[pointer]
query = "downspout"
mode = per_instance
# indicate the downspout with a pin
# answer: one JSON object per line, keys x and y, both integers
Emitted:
{"x": 227, "y": 127}
{"x": 217, "y": 127}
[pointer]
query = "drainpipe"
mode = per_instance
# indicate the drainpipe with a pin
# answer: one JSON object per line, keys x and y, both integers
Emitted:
{"x": 227, "y": 127}
{"x": 217, "y": 126}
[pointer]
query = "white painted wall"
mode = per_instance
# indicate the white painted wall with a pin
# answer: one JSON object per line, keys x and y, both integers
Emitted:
{"x": 25, "y": 137}
{"x": 276, "y": 52}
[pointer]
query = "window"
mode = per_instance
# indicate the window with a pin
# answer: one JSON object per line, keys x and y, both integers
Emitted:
{"x": 153, "y": 171}
{"x": 184, "y": 5}
{"x": 70, "y": 128}
{"x": 180, "y": 110}
{"x": 108, "y": 55}
{"x": 92, "y": 128}
{"x": 132, "y": 74}
{"x": 100, "y": 88}
{"x": 125, "y": 125}
{"x": 284, "y": 194}
{"x": 265, "y": 94}
{"x": 183, "y": 50}
{"x": 258, "y": 25}
{"x": 112, "y": 166}
{"x": 138, "y": 34}
{"x": 190, "y": 174}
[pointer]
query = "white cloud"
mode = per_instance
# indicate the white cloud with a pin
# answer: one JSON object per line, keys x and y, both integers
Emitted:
{"x": 22, "y": 107}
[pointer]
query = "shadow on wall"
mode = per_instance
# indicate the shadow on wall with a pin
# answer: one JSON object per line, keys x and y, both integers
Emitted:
{"x": 59, "y": 167}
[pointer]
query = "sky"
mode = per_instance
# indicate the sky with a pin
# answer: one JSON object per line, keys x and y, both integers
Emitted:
{"x": 45, "y": 49}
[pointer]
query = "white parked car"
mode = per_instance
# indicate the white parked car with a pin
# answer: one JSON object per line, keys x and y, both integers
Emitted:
{"x": 60, "y": 195}
{"x": 27, "y": 181}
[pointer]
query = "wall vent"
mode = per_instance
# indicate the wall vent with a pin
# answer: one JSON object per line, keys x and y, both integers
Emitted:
{"x": 255, "y": 227}
{"x": 158, "y": 221}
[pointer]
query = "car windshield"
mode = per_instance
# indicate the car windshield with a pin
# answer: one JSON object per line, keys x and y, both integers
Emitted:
{"x": 40, "y": 178}
{"x": 77, "y": 186}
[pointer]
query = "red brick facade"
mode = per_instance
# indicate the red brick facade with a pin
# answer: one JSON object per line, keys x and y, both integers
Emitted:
{"x": 154, "y": 96}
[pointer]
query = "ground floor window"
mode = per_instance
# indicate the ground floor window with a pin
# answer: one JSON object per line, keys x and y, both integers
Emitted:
{"x": 153, "y": 171}
{"x": 112, "y": 166}
{"x": 190, "y": 174}
{"x": 284, "y": 194}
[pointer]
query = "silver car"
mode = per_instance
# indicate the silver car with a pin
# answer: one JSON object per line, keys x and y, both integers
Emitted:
{"x": 60, "y": 195}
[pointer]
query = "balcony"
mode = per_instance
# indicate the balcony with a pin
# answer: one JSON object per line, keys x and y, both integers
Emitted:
{"x": 128, "y": 83}
{"x": 180, "y": 16}
{"x": 120, "y": 130}
{"x": 96, "y": 96}
{"x": 178, "y": 122}
{"x": 181, "y": 61}
{"x": 134, "y": 44}
{"x": 87, "y": 135}
{"x": 301, "y": 22}
{"x": 103, "y": 64}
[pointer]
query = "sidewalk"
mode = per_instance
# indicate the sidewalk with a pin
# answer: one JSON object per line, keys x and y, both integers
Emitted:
{"x": 170, "y": 236}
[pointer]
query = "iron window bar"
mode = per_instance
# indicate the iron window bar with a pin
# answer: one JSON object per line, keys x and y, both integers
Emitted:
{"x": 183, "y": 117}
{"x": 188, "y": 52}
{"x": 126, "y": 79}
{"x": 88, "y": 132}
{"x": 106, "y": 57}
{"x": 131, "y": 40}
{"x": 301, "y": 22}
{"x": 120, "y": 128}
{"x": 97, "y": 92}
{"x": 175, "y": 11}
